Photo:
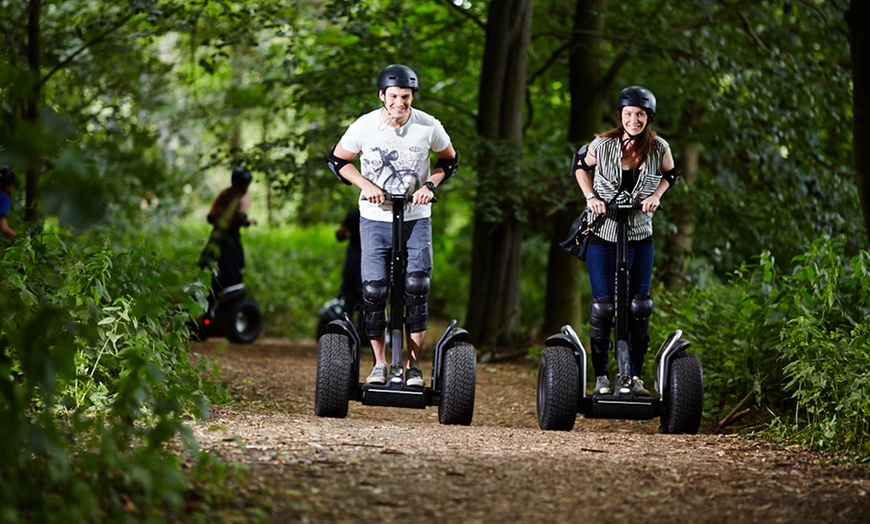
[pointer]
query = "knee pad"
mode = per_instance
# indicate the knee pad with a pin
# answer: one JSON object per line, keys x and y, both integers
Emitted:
{"x": 601, "y": 322}
{"x": 417, "y": 301}
{"x": 638, "y": 321}
{"x": 641, "y": 306}
{"x": 374, "y": 307}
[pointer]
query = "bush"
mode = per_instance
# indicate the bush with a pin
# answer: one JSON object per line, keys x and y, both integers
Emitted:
{"x": 793, "y": 347}
{"x": 96, "y": 381}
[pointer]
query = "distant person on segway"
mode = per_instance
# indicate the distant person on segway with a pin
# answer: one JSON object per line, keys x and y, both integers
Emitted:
{"x": 627, "y": 162}
{"x": 228, "y": 214}
{"x": 394, "y": 143}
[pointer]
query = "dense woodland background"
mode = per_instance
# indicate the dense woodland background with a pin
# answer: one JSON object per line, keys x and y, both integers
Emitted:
{"x": 123, "y": 119}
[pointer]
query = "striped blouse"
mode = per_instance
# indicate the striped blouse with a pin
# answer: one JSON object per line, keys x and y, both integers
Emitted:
{"x": 608, "y": 178}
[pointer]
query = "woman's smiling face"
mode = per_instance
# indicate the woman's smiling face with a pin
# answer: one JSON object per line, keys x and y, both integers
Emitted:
{"x": 634, "y": 119}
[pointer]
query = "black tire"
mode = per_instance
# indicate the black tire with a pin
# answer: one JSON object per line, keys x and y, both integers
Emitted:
{"x": 458, "y": 380}
{"x": 334, "y": 369}
{"x": 558, "y": 389}
{"x": 243, "y": 322}
{"x": 684, "y": 398}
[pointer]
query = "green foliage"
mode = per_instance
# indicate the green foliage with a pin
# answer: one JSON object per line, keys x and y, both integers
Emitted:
{"x": 794, "y": 345}
{"x": 95, "y": 381}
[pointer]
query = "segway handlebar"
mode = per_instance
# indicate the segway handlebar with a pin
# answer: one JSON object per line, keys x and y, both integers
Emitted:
{"x": 628, "y": 206}
{"x": 402, "y": 197}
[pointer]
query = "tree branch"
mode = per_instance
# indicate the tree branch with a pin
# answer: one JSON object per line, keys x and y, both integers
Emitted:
{"x": 752, "y": 33}
{"x": 97, "y": 39}
{"x": 474, "y": 19}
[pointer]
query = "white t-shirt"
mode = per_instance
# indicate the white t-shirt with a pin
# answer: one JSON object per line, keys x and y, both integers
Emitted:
{"x": 395, "y": 158}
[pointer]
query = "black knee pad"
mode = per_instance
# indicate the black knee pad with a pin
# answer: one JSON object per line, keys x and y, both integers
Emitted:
{"x": 374, "y": 307}
{"x": 601, "y": 322}
{"x": 417, "y": 301}
{"x": 641, "y": 306}
{"x": 638, "y": 320}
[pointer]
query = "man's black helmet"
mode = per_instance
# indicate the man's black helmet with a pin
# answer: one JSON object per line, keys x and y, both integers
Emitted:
{"x": 241, "y": 178}
{"x": 397, "y": 75}
{"x": 7, "y": 176}
{"x": 637, "y": 96}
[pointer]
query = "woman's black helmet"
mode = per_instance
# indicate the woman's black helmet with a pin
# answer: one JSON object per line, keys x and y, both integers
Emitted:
{"x": 397, "y": 75}
{"x": 7, "y": 176}
{"x": 637, "y": 96}
{"x": 241, "y": 178}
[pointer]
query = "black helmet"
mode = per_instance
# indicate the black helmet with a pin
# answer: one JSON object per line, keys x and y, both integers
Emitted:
{"x": 397, "y": 75}
{"x": 7, "y": 176}
{"x": 637, "y": 96}
{"x": 241, "y": 178}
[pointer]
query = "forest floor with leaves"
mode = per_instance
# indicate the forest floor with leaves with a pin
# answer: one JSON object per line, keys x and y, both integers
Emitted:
{"x": 402, "y": 465}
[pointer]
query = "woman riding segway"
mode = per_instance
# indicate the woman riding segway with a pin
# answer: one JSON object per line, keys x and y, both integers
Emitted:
{"x": 623, "y": 174}
{"x": 629, "y": 159}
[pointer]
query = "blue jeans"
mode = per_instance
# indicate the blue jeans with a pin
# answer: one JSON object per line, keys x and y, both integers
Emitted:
{"x": 377, "y": 243}
{"x": 601, "y": 265}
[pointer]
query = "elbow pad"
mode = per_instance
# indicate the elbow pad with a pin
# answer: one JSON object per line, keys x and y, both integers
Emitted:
{"x": 449, "y": 165}
{"x": 672, "y": 176}
{"x": 336, "y": 164}
{"x": 580, "y": 161}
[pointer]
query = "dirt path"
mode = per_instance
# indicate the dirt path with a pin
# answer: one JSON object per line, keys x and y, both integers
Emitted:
{"x": 401, "y": 464}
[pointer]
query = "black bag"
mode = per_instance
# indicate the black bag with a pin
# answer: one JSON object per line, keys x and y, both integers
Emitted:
{"x": 581, "y": 232}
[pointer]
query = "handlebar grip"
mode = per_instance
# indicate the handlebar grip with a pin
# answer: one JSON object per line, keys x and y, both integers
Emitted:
{"x": 390, "y": 197}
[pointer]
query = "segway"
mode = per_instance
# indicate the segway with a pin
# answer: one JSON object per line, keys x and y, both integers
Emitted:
{"x": 678, "y": 396}
{"x": 454, "y": 366}
{"x": 234, "y": 316}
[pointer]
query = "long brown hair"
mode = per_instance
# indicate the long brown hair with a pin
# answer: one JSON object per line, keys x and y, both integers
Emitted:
{"x": 643, "y": 144}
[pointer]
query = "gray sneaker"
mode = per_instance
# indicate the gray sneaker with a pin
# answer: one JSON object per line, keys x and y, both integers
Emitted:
{"x": 637, "y": 387}
{"x": 378, "y": 374}
{"x": 414, "y": 377}
{"x": 602, "y": 385}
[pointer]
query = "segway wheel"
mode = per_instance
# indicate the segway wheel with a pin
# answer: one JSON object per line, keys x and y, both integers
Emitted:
{"x": 334, "y": 369}
{"x": 244, "y": 322}
{"x": 558, "y": 389}
{"x": 458, "y": 379}
{"x": 684, "y": 399}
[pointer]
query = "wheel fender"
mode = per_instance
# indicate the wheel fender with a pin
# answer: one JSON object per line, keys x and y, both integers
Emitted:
{"x": 451, "y": 335}
{"x": 663, "y": 363}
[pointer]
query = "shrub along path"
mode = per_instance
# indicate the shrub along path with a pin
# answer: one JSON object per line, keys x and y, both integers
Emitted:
{"x": 402, "y": 465}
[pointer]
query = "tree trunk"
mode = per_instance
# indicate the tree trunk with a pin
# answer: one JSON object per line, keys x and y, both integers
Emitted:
{"x": 678, "y": 246}
{"x": 563, "y": 304}
{"x": 494, "y": 305}
{"x": 857, "y": 18}
{"x": 31, "y": 109}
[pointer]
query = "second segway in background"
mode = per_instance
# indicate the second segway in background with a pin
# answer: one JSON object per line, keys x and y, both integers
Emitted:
{"x": 454, "y": 364}
{"x": 234, "y": 316}
{"x": 679, "y": 383}
{"x": 230, "y": 312}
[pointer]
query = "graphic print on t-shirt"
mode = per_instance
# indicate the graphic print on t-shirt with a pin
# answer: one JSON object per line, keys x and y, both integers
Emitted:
{"x": 394, "y": 169}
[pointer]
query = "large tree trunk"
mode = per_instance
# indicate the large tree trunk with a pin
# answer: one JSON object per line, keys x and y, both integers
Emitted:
{"x": 494, "y": 304}
{"x": 588, "y": 87}
{"x": 30, "y": 110}
{"x": 857, "y": 18}
{"x": 678, "y": 247}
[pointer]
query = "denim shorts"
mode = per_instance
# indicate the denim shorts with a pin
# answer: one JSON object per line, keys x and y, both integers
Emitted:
{"x": 377, "y": 244}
